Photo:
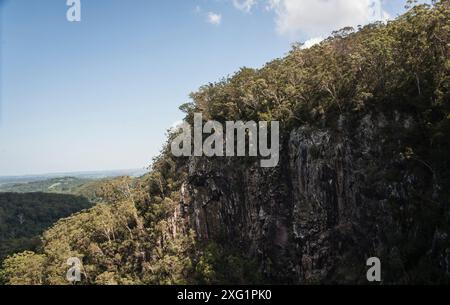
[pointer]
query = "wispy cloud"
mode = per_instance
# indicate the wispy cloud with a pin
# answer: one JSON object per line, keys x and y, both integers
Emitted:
{"x": 244, "y": 5}
{"x": 214, "y": 18}
{"x": 317, "y": 18}
{"x": 312, "y": 42}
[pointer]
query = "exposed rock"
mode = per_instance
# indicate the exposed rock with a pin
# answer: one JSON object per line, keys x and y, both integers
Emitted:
{"x": 338, "y": 197}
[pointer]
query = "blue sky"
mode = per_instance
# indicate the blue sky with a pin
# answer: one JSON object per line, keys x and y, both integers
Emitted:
{"x": 99, "y": 94}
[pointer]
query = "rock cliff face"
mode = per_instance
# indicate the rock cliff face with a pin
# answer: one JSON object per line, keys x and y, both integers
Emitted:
{"x": 340, "y": 195}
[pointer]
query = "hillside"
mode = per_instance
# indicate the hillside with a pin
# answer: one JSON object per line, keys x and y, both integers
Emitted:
{"x": 64, "y": 185}
{"x": 364, "y": 171}
{"x": 24, "y": 217}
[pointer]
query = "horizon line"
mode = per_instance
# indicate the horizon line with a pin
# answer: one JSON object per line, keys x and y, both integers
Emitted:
{"x": 73, "y": 172}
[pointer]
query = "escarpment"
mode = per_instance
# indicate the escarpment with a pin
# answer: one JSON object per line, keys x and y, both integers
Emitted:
{"x": 339, "y": 197}
{"x": 363, "y": 168}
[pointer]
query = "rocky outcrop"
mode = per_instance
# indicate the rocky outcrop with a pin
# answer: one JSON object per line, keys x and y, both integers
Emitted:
{"x": 340, "y": 195}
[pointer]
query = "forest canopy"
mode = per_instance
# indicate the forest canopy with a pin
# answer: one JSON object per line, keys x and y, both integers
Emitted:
{"x": 24, "y": 217}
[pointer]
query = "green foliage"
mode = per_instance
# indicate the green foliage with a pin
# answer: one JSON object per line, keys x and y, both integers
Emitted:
{"x": 106, "y": 190}
{"x": 403, "y": 64}
{"x": 135, "y": 235}
{"x": 23, "y": 217}
{"x": 220, "y": 264}
{"x": 113, "y": 243}
{"x": 26, "y": 268}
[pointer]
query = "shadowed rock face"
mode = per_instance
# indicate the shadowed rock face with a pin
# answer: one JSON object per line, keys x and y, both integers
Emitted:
{"x": 340, "y": 195}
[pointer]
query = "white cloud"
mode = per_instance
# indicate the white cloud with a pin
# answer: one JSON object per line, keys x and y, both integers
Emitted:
{"x": 244, "y": 5}
{"x": 311, "y": 42}
{"x": 214, "y": 18}
{"x": 320, "y": 17}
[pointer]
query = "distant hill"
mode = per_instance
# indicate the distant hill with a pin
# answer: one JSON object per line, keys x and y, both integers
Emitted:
{"x": 65, "y": 185}
{"x": 68, "y": 183}
{"x": 79, "y": 175}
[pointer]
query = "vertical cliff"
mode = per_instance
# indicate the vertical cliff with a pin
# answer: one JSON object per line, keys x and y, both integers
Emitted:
{"x": 341, "y": 194}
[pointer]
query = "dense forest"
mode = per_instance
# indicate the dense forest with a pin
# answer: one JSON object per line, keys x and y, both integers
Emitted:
{"x": 24, "y": 217}
{"x": 144, "y": 231}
